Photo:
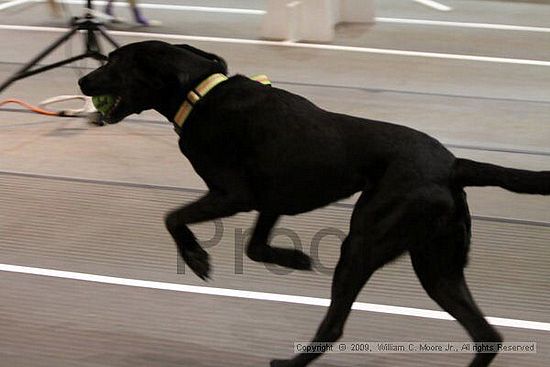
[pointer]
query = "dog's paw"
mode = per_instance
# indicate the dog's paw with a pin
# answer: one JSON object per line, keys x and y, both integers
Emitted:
{"x": 281, "y": 363}
{"x": 197, "y": 260}
{"x": 294, "y": 259}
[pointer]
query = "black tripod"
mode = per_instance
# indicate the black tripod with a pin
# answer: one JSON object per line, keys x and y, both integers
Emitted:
{"x": 86, "y": 23}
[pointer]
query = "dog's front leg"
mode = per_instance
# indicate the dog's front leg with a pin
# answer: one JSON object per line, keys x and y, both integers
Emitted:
{"x": 211, "y": 206}
{"x": 258, "y": 248}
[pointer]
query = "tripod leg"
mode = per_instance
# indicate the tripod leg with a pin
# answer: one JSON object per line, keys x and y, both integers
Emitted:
{"x": 88, "y": 24}
{"x": 104, "y": 33}
{"x": 93, "y": 46}
{"x": 56, "y": 64}
{"x": 24, "y": 71}
{"x": 98, "y": 56}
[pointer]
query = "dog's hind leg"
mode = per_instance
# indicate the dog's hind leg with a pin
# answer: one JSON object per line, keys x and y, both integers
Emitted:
{"x": 259, "y": 250}
{"x": 451, "y": 292}
{"x": 374, "y": 240}
{"x": 211, "y": 206}
{"x": 348, "y": 280}
{"x": 440, "y": 268}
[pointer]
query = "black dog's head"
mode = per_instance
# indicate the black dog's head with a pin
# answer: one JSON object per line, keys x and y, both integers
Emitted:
{"x": 150, "y": 75}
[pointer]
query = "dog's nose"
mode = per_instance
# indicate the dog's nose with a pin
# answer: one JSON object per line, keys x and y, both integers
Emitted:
{"x": 85, "y": 85}
{"x": 82, "y": 84}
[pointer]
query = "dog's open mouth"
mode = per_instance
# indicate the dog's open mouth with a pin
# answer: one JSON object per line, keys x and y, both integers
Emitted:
{"x": 106, "y": 104}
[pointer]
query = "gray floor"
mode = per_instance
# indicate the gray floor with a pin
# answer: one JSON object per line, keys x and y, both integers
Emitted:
{"x": 91, "y": 200}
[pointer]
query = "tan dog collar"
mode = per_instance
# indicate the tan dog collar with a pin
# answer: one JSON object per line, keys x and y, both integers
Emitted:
{"x": 201, "y": 90}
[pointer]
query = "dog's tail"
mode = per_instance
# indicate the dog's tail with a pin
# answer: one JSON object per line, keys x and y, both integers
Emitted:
{"x": 472, "y": 173}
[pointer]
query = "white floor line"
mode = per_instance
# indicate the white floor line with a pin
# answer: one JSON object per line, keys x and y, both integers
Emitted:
{"x": 380, "y": 51}
{"x": 502, "y": 27}
{"x": 261, "y": 296}
{"x": 11, "y": 4}
{"x": 434, "y": 5}
{"x": 206, "y": 9}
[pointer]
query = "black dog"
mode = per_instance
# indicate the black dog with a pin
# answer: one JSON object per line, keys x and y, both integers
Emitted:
{"x": 265, "y": 149}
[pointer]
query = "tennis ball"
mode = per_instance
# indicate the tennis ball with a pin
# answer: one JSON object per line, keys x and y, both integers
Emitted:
{"x": 103, "y": 103}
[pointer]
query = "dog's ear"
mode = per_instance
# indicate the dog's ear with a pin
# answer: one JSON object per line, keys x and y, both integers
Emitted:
{"x": 218, "y": 60}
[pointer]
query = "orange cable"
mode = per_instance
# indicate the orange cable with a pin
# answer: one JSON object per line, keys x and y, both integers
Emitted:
{"x": 29, "y": 107}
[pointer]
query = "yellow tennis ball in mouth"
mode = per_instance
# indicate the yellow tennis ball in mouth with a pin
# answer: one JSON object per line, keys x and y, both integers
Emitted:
{"x": 103, "y": 103}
